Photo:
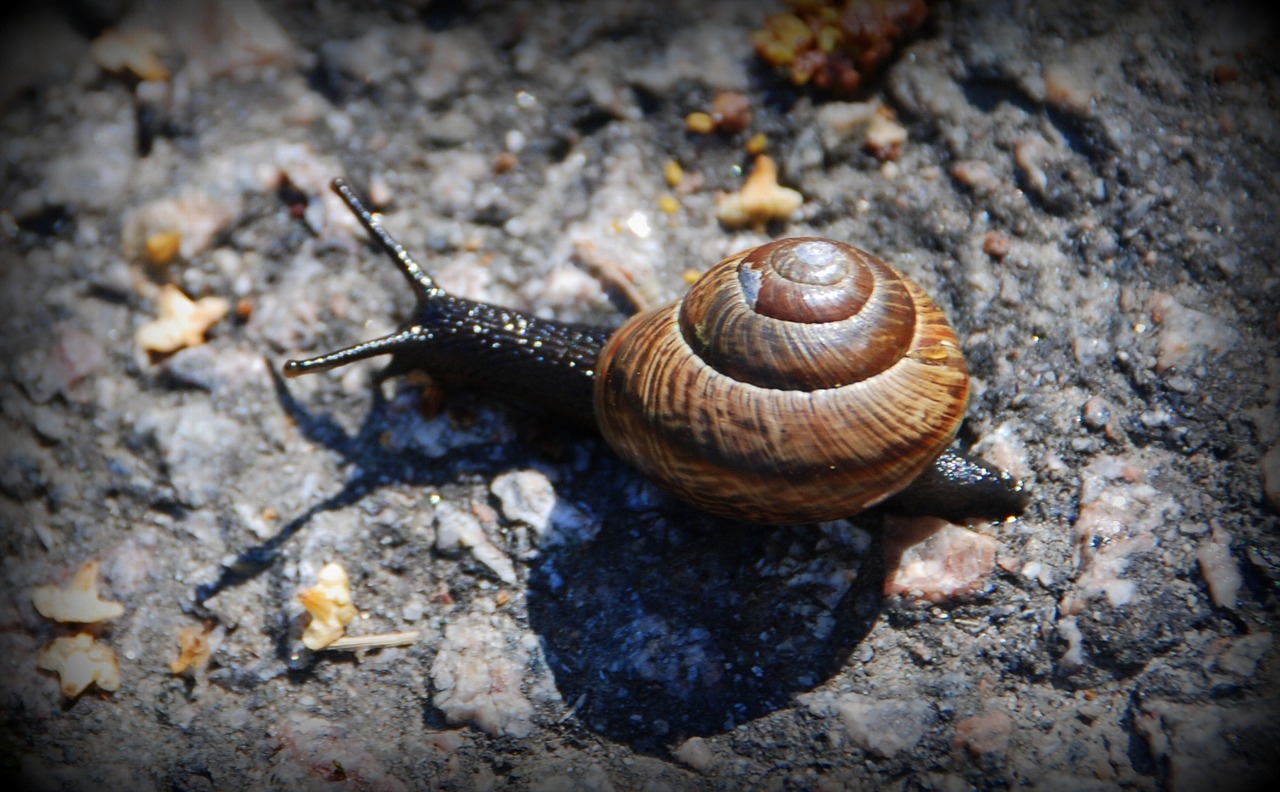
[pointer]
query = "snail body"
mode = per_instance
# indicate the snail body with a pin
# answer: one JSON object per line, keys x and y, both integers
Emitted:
{"x": 799, "y": 381}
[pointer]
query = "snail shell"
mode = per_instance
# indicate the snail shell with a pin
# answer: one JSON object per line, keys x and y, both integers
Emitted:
{"x": 802, "y": 380}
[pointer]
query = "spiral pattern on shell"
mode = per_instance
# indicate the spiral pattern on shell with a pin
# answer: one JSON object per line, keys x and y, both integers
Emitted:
{"x": 801, "y": 380}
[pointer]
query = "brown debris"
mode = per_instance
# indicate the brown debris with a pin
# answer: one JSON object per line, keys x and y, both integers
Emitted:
{"x": 984, "y": 735}
{"x": 834, "y": 46}
{"x": 504, "y": 161}
{"x": 996, "y": 245}
{"x": 194, "y": 649}
{"x": 731, "y": 112}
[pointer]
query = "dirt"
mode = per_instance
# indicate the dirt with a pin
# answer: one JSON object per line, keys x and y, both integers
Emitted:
{"x": 1088, "y": 189}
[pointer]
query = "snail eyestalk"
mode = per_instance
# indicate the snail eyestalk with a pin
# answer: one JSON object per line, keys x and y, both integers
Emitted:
{"x": 362, "y": 351}
{"x": 467, "y": 344}
{"x": 424, "y": 286}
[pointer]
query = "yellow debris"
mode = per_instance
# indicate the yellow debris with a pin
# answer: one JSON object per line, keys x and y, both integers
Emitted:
{"x": 329, "y": 603}
{"x": 700, "y": 123}
{"x": 162, "y": 247}
{"x": 673, "y": 173}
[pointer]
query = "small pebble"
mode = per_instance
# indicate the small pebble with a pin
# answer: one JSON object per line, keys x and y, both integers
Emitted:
{"x": 478, "y": 673}
{"x": 885, "y": 136}
{"x": 456, "y": 527}
{"x": 1188, "y": 338}
{"x": 1096, "y": 413}
{"x": 527, "y": 496}
{"x": 1220, "y": 570}
{"x": 977, "y": 175}
{"x": 883, "y": 727}
{"x": 1242, "y": 655}
{"x": 731, "y": 112}
{"x": 696, "y": 753}
{"x": 935, "y": 561}
{"x": 1271, "y": 476}
{"x": 983, "y": 735}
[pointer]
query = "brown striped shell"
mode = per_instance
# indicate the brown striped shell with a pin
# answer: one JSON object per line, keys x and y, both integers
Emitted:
{"x": 798, "y": 381}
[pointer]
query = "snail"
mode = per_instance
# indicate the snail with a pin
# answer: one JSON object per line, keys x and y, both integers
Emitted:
{"x": 803, "y": 380}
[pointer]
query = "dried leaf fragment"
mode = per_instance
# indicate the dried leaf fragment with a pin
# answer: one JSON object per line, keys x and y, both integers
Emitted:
{"x": 79, "y": 662}
{"x": 134, "y": 50}
{"x": 760, "y": 200}
{"x": 79, "y": 601}
{"x": 182, "y": 323}
{"x": 329, "y": 603}
{"x": 194, "y": 648}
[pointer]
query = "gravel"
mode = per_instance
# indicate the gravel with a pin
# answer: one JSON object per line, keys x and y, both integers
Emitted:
{"x": 1088, "y": 190}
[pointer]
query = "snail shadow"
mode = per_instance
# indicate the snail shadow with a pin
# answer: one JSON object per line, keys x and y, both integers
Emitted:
{"x": 667, "y": 627}
{"x": 365, "y": 454}
{"x": 660, "y": 626}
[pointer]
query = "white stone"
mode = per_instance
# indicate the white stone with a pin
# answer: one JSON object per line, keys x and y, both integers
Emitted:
{"x": 527, "y": 496}
{"x": 478, "y": 676}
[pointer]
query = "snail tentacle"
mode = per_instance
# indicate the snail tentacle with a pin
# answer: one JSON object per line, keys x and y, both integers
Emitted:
{"x": 423, "y": 285}
{"x": 470, "y": 344}
{"x": 341, "y": 357}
